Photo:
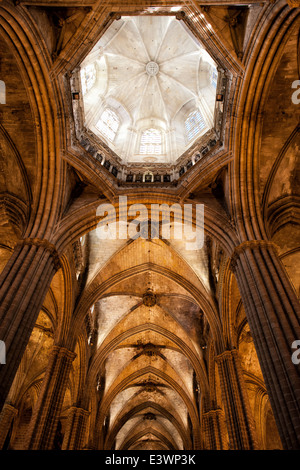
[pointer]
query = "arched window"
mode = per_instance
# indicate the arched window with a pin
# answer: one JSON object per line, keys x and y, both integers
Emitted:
{"x": 88, "y": 78}
{"x": 151, "y": 142}
{"x": 194, "y": 124}
{"x": 108, "y": 124}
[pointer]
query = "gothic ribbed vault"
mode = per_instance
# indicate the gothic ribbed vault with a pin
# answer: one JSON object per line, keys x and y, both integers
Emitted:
{"x": 149, "y": 73}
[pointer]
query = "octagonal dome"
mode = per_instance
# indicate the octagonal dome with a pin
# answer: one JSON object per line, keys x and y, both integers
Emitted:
{"x": 148, "y": 89}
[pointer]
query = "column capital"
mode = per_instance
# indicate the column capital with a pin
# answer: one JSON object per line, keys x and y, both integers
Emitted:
{"x": 46, "y": 245}
{"x": 75, "y": 428}
{"x": 213, "y": 412}
{"x": 62, "y": 351}
{"x": 228, "y": 354}
{"x": 78, "y": 410}
{"x": 11, "y": 408}
{"x": 250, "y": 244}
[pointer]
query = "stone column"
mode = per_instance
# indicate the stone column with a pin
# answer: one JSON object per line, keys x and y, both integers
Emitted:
{"x": 215, "y": 430}
{"x": 48, "y": 407}
{"x": 75, "y": 429}
{"x": 238, "y": 414}
{"x": 6, "y": 417}
{"x": 24, "y": 283}
{"x": 273, "y": 314}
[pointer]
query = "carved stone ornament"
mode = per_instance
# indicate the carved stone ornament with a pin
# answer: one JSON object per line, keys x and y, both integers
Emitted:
{"x": 149, "y": 299}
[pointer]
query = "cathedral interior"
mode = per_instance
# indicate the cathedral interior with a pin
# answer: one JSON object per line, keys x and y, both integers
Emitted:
{"x": 142, "y": 341}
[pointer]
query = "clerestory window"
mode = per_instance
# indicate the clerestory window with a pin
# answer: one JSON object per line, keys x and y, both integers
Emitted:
{"x": 194, "y": 124}
{"x": 151, "y": 142}
{"x": 88, "y": 78}
{"x": 108, "y": 124}
{"x": 214, "y": 77}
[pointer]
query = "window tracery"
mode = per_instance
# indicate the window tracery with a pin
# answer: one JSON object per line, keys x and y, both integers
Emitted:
{"x": 194, "y": 124}
{"x": 108, "y": 124}
{"x": 88, "y": 78}
{"x": 151, "y": 142}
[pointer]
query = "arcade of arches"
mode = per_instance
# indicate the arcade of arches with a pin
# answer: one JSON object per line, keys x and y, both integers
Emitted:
{"x": 141, "y": 343}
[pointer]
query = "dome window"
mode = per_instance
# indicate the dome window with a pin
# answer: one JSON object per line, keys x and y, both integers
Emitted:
{"x": 108, "y": 124}
{"x": 151, "y": 142}
{"x": 214, "y": 77}
{"x": 194, "y": 124}
{"x": 88, "y": 78}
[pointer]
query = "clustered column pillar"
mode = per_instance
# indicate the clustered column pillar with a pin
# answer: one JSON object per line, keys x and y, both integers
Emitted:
{"x": 215, "y": 430}
{"x": 47, "y": 410}
{"x": 6, "y": 418}
{"x": 273, "y": 313}
{"x": 75, "y": 429}
{"x": 24, "y": 283}
{"x": 239, "y": 418}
